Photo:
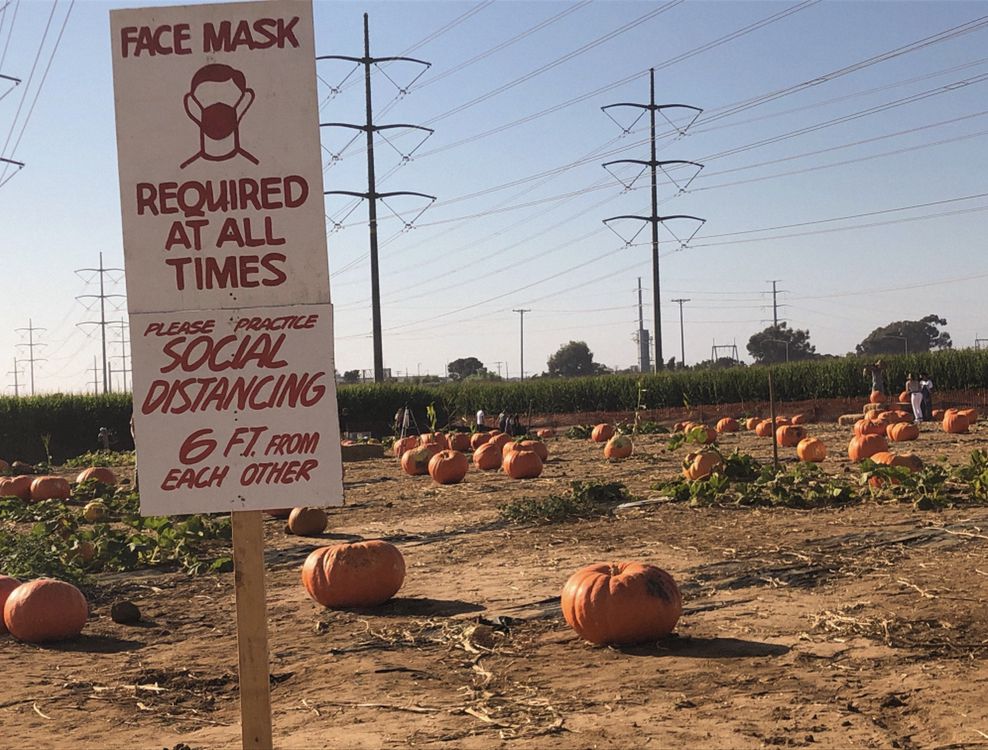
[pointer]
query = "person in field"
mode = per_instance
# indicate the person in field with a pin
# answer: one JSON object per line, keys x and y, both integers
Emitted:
{"x": 915, "y": 391}
{"x": 926, "y": 387}
{"x": 877, "y": 372}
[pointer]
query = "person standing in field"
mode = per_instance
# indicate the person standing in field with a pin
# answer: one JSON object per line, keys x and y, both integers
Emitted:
{"x": 877, "y": 372}
{"x": 926, "y": 387}
{"x": 480, "y": 418}
{"x": 915, "y": 392}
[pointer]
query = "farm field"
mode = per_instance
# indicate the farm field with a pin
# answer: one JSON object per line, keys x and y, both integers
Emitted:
{"x": 852, "y": 625}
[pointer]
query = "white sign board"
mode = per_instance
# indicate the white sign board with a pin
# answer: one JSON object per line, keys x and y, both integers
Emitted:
{"x": 225, "y": 255}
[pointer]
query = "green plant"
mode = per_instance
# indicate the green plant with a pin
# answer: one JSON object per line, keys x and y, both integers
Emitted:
{"x": 584, "y": 500}
{"x": 579, "y": 432}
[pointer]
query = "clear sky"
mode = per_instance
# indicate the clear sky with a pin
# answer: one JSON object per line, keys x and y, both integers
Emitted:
{"x": 843, "y": 146}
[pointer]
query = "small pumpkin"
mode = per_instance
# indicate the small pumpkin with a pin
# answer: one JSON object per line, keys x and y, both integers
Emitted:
{"x": 7, "y": 585}
{"x": 95, "y": 511}
{"x": 701, "y": 434}
{"x": 902, "y": 431}
{"x": 623, "y": 602}
{"x": 459, "y": 441}
{"x": 99, "y": 473}
{"x": 789, "y": 435}
{"x": 619, "y": 446}
{"x": 537, "y": 446}
{"x": 362, "y": 574}
{"x": 877, "y": 397}
{"x": 404, "y": 444}
{"x": 487, "y": 457}
{"x": 416, "y": 461}
{"x": 752, "y": 422}
{"x": 546, "y": 433}
{"x": 701, "y": 465}
{"x": 811, "y": 450}
{"x": 522, "y": 464}
{"x": 728, "y": 424}
{"x": 866, "y": 446}
{"x": 19, "y": 487}
{"x": 904, "y": 398}
{"x": 764, "y": 428}
{"x": 448, "y": 467}
{"x": 307, "y": 521}
{"x": 971, "y": 414}
{"x": 954, "y": 422}
{"x": 45, "y": 610}
{"x": 50, "y": 487}
{"x": 800, "y": 419}
{"x": 478, "y": 439}
{"x": 907, "y": 460}
{"x": 602, "y": 433}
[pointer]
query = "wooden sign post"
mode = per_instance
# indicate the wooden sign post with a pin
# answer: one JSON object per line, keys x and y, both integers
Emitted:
{"x": 231, "y": 322}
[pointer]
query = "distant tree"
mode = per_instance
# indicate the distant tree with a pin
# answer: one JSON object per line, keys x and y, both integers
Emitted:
{"x": 464, "y": 367}
{"x": 779, "y": 344}
{"x": 906, "y": 335}
{"x": 484, "y": 374}
{"x": 573, "y": 359}
{"x": 721, "y": 363}
{"x": 351, "y": 376}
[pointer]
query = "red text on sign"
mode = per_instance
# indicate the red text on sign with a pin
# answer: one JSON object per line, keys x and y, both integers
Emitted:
{"x": 263, "y": 33}
{"x": 194, "y": 198}
{"x": 195, "y": 479}
{"x": 240, "y": 437}
{"x": 160, "y": 40}
{"x": 292, "y": 444}
{"x": 180, "y": 327}
{"x": 229, "y": 352}
{"x": 231, "y": 272}
{"x": 278, "y": 472}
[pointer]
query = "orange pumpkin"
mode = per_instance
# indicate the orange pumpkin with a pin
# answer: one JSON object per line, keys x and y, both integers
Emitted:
{"x": 752, "y": 422}
{"x": 779, "y": 421}
{"x": 866, "y": 446}
{"x": 701, "y": 465}
{"x": 459, "y": 441}
{"x": 904, "y": 416}
{"x": 500, "y": 440}
{"x": 902, "y": 431}
{"x": 764, "y": 428}
{"x": 907, "y": 460}
{"x": 522, "y": 464}
{"x": 877, "y": 397}
{"x": 869, "y": 427}
{"x": 789, "y": 435}
{"x": 401, "y": 445}
{"x": 602, "y": 433}
{"x": 19, "y": 486}
{"x": 800, "y": 419}
{"x": 971, "y": 414}
{"x": 487, "y": 457}
{"x": 45, "y": 610}
{"x": 50, "y": 487}
{"x": 904, "y": 398}
{"x": 538, "y": 447}
{"x": 448, "y": 467}
{"x": 811, "y": 450}
{"x": 478, "y": 439}
{"x": 546, "y": 433}
{"x": 7, "y": 585}
{"x": 619, "y": 446}
{"x": 416, "y": 461}
{"x": 624, "y": 602}
{"x": 307, "y": 521}
{"x": 701, "y": 434}
{"x": 437, "y": 439}
{"x": 954, "y": 422}
{"x": 99, "y": 473}
{"x": 728, "y": 424}
{"x": 362, "y": 574}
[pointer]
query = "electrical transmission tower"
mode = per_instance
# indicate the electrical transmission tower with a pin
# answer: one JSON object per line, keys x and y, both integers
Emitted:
{"x": 372, "y": 195}
{"x": 102, "y": 322}
{"x": 654, "y": 219}
{"x": 19, "y": 164}
{"x": 31, "y": 343}
{"x": 775, "y": 302}
{"x": 682, "y": 338}
{"x": 15, "y": 372}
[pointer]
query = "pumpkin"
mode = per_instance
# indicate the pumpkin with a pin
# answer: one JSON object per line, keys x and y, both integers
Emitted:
{"x": 623, "y": 602}
{"x": 779, "y": 421}
{"x": 904, "y": 398}
{"x": 459, "y": 441}
{"x": 509, "y": 447}
{"x": 83, "y": 553}
{"x": 50, "y": 487}
{"x": 764, "y": 428}
{"x": 437, "y": 439}
{"x": 701, "y": 465}
{"x": 937, "y": 415}
{"x": 619, "y": 446}
{"x": 448, "y": 467}
{"x": 866, "y": 446}
{"x": 279, "y": 512}
{"x": 500, "y": 440}
{"x": 701, "y": 434}
{"x": 522, "y": 464}
{"x": 908, "y": 460}
{"x": 416, "y": 461}
{"x": 362, "y": 574}
{"x": 811, "y": 450}
{"x": 19, "y": 467}
{"x": 545, "y": 433}
{"x": 971, "y": 414}
{"x": 537, "y": 446}
{"x": 728, "y": 424}
{"x": 19, "y": 486}
{"x": 99, "y": 473}
{"x": 95, "y": 511}
{"x": 877, "y": 397}
{"x": 478, "y": 439}
{"x": 404, "y": 444}
{"x": 602, "y": 433}
{"x": 45, "y": 610}
{"x": 7, "y": 584}
{"x": 788, "y": 435}
{"x": 954, "y": 422}
{"x": 752, "y": 422}
{"x": 904, "y": 416}
{"x": 487, "y": 457}
{"x": 869, "y": 427}
{"x": 902, "y": 431}
{"x": 800, "y": 419}
{"x": 307, "y": 521}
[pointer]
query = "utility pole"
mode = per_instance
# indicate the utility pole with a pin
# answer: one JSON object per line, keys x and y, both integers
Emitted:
{"x": 30, "y": 347}
{"x": 522, "y": 347}
{"x": 643, "y": 359}
{"x": 682, "y": 340}
{"x": 124, "y": 342}
{"x": 102, "y": 322}
{"x": 17, "y": 390}
{"x": 499, "y": 368}
{"x": 654, "y": 219}
{"x": 372, "y": 195}
{"x": 775, "y": 302}
{"x": 95, "y": 381}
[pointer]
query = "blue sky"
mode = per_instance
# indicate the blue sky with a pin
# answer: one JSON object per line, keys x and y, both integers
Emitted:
{"x": 843, "y": 146}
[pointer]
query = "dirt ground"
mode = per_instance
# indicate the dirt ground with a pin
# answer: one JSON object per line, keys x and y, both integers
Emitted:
{"x": 860, "y": 627}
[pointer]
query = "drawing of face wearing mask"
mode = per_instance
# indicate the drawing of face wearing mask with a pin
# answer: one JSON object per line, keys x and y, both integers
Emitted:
{"x": 217, "y": 100}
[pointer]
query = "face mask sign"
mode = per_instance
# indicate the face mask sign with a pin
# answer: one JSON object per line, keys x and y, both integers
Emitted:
{"x": 219, "y": 120}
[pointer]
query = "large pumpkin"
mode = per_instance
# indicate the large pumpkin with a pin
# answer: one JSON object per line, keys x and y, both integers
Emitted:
{"x": 45, "y": 610}
{"x": 500, "y": 440}
{"x": 602, "y": 433}
{"x": 416, "y": 461}
{"x": 902, "y": 431}
{"x": 866, "y": 446}
{"x": 307, "y": 521}
{"x": 99, "y": 473}
{"x": 789, "y": 435}
{"x": 478, "y": 439}
{"x": 448, "y": 467}
{"x": 538, "y": 446}
{"x": 19, "y": 486}
{"x": 728, "y": 424}
{"x": 459, "y": 441}
{"x": 363, "y": 574}
{"x": 50, "y": 487}
{"x": 910, "y": 461}
{"x": 869, "y": 427}
{"x": 701, "y": 465}
{"x": 401, "y": 445}
{"x": 487, "y": 457}
{"x": 954, "y": 422}
{"x": 522, "y": 464}
{"x": 619, "y": 446}
{"x": 811, "y": 450}
{"x": 435, "y": 441}
{"x": 877, "y": 397}
{"x": 623, "y": 602}
{"x": 7, "y": 585}
{"x": 971, "y": 414}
